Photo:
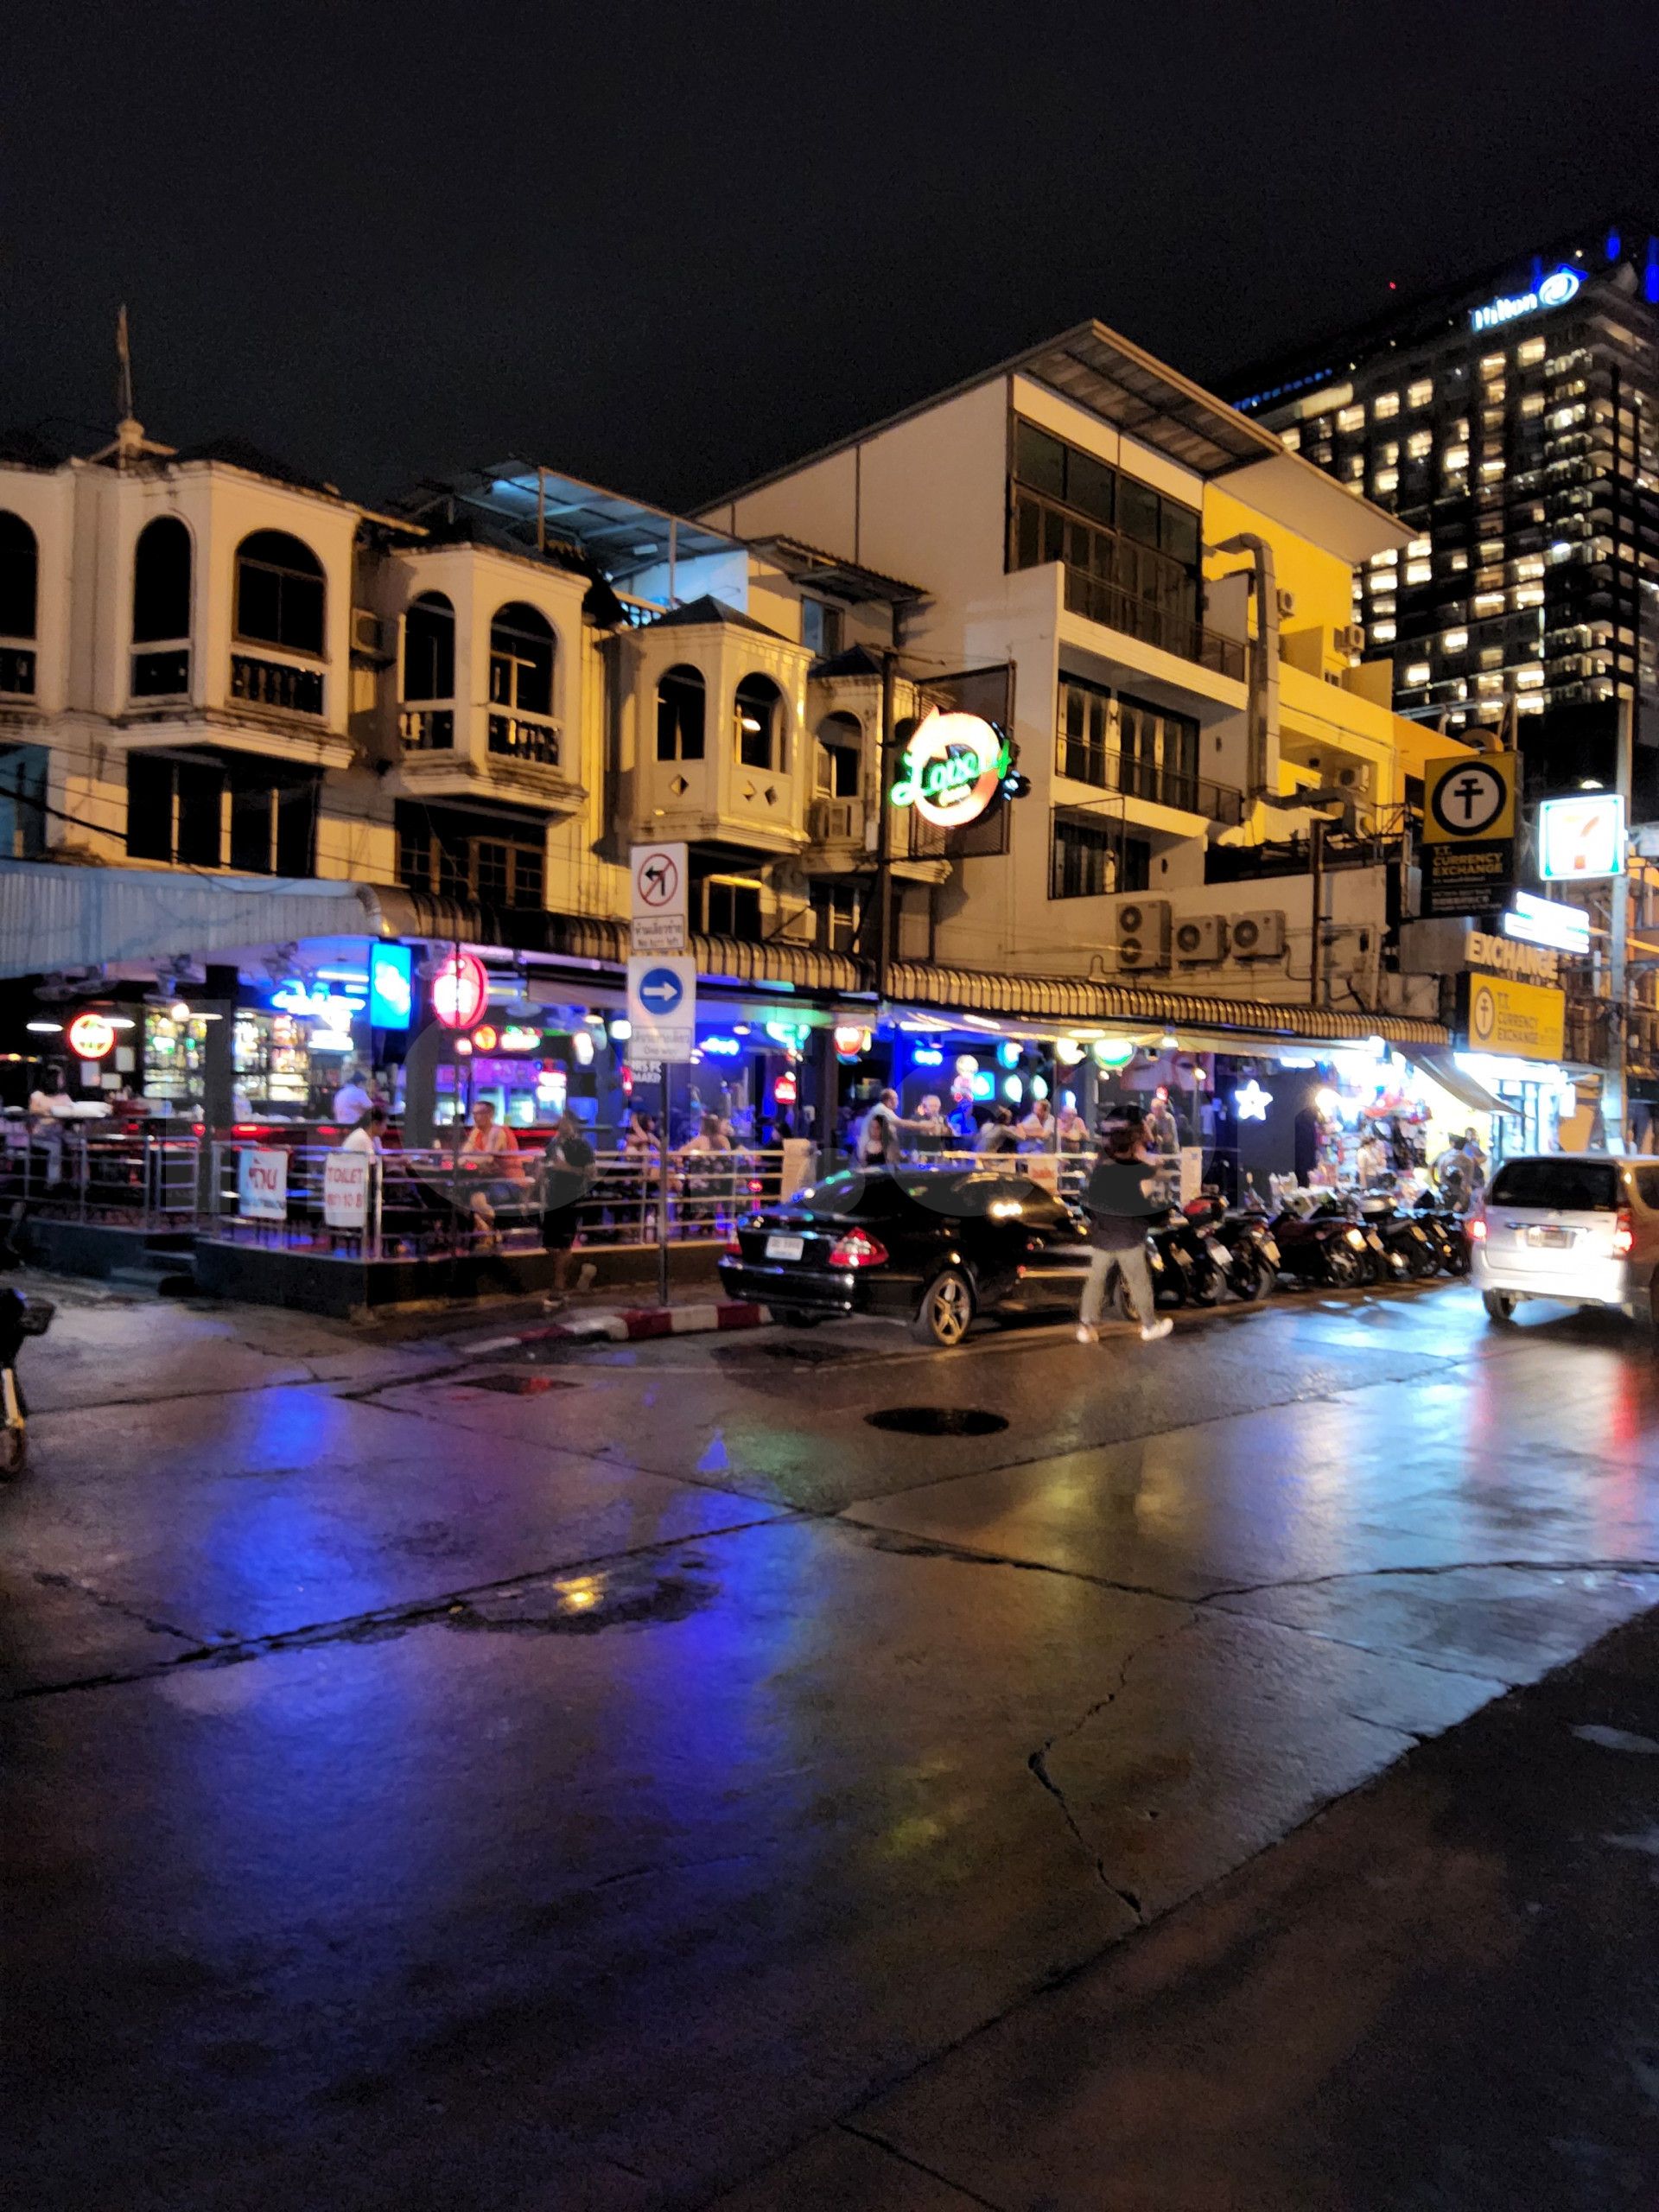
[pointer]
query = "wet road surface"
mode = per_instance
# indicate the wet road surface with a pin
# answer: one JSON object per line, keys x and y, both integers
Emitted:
{"x": 424, "y": 1786}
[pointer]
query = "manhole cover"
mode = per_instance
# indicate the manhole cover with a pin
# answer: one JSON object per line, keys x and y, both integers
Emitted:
{"x": 514, "y": 1383}
{"x": 937, "y": 1421}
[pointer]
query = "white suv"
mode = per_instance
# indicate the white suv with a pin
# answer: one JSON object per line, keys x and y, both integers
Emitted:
{"x": 1581, "y": 1226}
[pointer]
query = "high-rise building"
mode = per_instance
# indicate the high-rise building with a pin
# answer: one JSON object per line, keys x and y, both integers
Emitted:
{"x": 1513, "y": 422}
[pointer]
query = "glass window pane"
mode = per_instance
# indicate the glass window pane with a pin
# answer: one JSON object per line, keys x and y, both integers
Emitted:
{"x": 1180, "y": 532}
{"x": 1137, "y": 510}
{"x": 200, "y": 788}
{"x": 1038, "y": 460}
{"x": 1090, "y": 485}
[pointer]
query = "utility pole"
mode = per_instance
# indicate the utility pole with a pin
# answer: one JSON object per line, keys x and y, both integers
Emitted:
{"x": 1612, "y": 1081}
{"x": 883, "y": 830}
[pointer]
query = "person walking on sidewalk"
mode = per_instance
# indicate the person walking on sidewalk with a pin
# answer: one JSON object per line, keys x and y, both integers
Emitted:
{"x": 1119, "y": 1204}
{"x": 566, "y": 1179}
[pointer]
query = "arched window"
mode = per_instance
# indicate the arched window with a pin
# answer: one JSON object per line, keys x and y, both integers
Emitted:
{"x": 758, "y": 710}
{"x": 681, "y": 700}
{"x": 161, "y": 582}
{"x": 279, "y": 592}
{"x": 19, "y": 567}
{"x": 160, "y": 608}
{"x": 429, "y": 648}
{"x": 521, "y": 660}
{"x": 19, "y": 571}
{"x": 841, "y": 757}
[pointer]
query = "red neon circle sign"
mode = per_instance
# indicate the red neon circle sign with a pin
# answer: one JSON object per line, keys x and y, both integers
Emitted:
{"x": 461, "y": 990}
{"x": 91, "y": 1036}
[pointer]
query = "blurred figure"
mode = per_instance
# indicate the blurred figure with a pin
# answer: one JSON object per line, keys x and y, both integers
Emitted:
{"x": 1119, "y": 1204}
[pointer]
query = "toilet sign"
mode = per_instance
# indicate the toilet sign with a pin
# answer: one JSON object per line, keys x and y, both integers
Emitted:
{"x": 345, "y": 1177}
{"x": 659, "y": 900}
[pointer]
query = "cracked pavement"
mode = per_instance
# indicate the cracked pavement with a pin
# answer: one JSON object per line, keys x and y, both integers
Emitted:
{"x": 416, "y": 1793}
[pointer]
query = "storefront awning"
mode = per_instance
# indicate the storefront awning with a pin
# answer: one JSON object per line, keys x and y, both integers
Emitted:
{"x": 1068, "y": 1000}
{"x": 54, "y": 917}
{"x": 1442, "y": 1068}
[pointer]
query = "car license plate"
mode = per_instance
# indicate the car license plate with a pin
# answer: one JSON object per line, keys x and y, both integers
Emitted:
{"x": 1553, "y": 1240}
{"x": 786, "y": 1247}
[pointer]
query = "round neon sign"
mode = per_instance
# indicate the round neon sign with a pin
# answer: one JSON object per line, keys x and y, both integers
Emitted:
{"x": 461, "y": 990}
{"x": 952, "y": 768}
{"x": 91, "y": 1036}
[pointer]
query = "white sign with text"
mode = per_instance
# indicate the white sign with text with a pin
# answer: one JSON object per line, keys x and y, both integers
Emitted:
{"x": 345, "y": 1177}
{"x": 262, "y": 1184}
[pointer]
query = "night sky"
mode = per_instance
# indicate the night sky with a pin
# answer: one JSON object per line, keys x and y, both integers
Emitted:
{"x": 666, "y": 249}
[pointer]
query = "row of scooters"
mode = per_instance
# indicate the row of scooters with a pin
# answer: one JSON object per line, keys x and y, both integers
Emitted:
{"x": 1334, "y": 1240}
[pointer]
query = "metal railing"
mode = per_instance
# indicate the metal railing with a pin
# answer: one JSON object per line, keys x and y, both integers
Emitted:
{"x": 1098, "y": 600}
{"x": 1108, "y": 770}
{"x": 427, "y": 729}
{"x": 85, "y": 1170}
{"x": 432, "y": 1201}
{"x": 520, "y": 739}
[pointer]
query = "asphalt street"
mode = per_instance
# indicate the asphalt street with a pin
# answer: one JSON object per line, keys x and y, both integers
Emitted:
{"x": 627, "y": 1777}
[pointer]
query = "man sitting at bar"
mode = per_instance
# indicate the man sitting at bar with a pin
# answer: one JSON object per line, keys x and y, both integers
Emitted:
{"x": 490, "y": 1149}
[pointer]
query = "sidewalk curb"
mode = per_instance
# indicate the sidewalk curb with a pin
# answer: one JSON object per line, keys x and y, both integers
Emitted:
{"x": 637, "y": 1322}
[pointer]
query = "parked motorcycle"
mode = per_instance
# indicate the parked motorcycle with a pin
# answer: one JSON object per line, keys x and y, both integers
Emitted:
{"x": 1446, "y": 1231}
{"x": 1246, "y": 1237}
{"x": 1320, "y": 1242}
{"x": 20, "y": 1317}
{"x": 1403, "y": 1238}
{"x": 1194, "y": 1263}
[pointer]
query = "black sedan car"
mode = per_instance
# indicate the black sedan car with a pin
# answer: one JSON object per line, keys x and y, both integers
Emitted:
{"x": 933, "y": 1248}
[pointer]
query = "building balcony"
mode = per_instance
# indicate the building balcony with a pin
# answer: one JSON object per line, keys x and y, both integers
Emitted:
{"x": 452, "y": 752}
{"x": 1148, "y": 780}
{"x": 1098, "y": 600}
{"x": 279, "y": 684}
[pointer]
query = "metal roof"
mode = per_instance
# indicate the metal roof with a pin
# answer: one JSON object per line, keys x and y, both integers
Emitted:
{"x": 828, "y": 572}
{"x": 620, "y": 535}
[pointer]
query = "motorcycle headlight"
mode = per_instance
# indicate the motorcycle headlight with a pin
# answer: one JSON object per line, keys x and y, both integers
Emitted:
{"x": 1356, "y": 1238}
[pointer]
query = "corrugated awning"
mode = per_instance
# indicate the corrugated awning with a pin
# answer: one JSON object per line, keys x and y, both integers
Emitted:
{"x": 54, "y": 917}
{"x": 1067, "y": 998}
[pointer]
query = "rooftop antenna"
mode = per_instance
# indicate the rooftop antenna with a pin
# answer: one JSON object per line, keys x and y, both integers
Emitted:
{"x": 130, "y": 444}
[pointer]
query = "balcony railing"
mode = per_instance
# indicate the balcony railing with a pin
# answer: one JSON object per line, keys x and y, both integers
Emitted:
{"x": 164, "y": 675}
{"x": 17, "y": 673}
{"x": 516, "y": 738}
{"x": 1099, "y": 601}
{"x": 1136, "y": 778}
{"x": 275, "y": 683}
{"x": 427, "y": 729}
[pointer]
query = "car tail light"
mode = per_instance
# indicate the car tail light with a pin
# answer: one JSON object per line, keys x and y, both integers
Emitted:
{"x": 857, "y": 1250}
{"x": 1475, "y": 1227}
{"x": 731, "y": 1249}
{"x": 1623, "y": 1234}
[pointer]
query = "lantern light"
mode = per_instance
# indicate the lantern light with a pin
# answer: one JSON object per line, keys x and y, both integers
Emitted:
{"x": 461, "y": 990}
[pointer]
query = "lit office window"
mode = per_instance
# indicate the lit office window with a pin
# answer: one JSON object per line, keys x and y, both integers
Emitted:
{"x": 1454, "y": 641}
{"x": 1354, "y": 467}
{"x": 1385, "y": 479}
{"x": 1491, "y": 470}
{"x": 1485, "y": 603}
{"x": 1385, "y": 406}
{"x": 1416, "y": 673}
{"x": 1350, "y": 418}
{"x": 1526, "y": 595}
{"x": 1388, "y": 560}
{"x": 1490, "y": 687}
{"x": 1419, "y": 572}
{"x": 1532, "y": 566}
{"x": 1457, "y": 563}
{"x": 1383, "y": 633}
{"x": 1419, "y": 443}
{"x": 1290, "y": 439}
{"x": 1388, "y": 454}
{"x": 1417, "y": 549}
{"x": 1454, "y": 458}
{"x": 1491, "y": 365}
{"x": 1528, "y": 679}
{"x": 1384, "y": 603}
{"x": 1491, "y": 656}
{"x": 1420, "y": 393}
{"x": 1528, "y": 355}
{"x": 1532, "y": 404}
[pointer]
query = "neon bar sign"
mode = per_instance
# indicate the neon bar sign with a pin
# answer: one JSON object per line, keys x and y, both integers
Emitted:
{"x": 953, "y": 767}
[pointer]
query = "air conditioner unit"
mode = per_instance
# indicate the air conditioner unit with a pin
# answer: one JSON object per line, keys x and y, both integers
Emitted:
{"x": 1350, "y": 637}
{"x": 834, "y": 821}
{"x": 1257, "y": 937}
{"x": 1201, "y": 940}
{"x": 1143, "y": 934}
{"x": 1287, "y": 603}
{"x": 1356, "y": 778}
{"x": 368, "y": 635}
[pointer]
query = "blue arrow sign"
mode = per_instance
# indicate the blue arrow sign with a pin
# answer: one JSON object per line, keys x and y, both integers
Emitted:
{"x": 661, "y": 990}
